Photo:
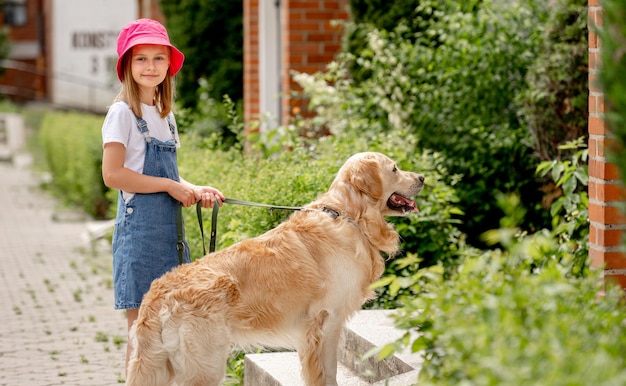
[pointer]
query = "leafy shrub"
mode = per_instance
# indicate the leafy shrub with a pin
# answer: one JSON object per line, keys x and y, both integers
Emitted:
{"x": 570, "y": 214}
{"x": 500, "y": 321}
{"x": 554, "y": 105}
{"x": 522, "y": 315}
{"x": 382, "y": 14}
{"x": 370, "y": 15}
{"x": 611, "y": 75}
{"x": 72, "y": 147}
{"x": 209, "y": 119}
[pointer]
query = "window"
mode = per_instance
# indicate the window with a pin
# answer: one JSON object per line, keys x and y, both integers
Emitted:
{"x": 15, "y": 12}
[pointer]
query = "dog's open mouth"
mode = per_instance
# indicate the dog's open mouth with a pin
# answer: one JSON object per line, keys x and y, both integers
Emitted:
{"x": 402, "y": 204}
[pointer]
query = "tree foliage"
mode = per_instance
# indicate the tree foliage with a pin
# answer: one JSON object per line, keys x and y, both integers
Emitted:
{"x": 554, "y": 106}
{"x": 210, "y": 34}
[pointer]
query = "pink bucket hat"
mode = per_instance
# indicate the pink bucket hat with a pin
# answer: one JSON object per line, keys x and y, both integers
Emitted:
{"x": 146, "y": 31}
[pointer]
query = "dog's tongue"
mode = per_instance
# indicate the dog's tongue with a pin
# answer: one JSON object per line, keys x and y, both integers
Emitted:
{"x": 402, "y": 201}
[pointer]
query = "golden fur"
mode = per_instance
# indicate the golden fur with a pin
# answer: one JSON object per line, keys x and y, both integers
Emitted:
{"x": 292, "y": 287}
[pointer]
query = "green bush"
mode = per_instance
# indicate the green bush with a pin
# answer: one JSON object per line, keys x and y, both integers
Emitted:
{"x": 209, "y": 119}
{"x": 613, "y": 35}
{"x": 570, "y": 214}
{"x": 72, "y": 147}
{"x": 500, "y": 321}
{"x": 554, "y": 105}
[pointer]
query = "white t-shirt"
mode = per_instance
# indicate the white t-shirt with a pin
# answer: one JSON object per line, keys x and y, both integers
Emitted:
{"x": 120, "y": 125}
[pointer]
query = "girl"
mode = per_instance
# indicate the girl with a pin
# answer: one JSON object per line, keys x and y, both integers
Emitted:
{"x": 140, "y": 139}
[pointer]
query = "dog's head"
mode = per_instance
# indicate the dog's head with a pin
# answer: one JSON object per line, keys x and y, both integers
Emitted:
{"x": 378, "y": 177}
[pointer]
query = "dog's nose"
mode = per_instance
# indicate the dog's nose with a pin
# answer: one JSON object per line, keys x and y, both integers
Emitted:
{"x": 421, "y": 178}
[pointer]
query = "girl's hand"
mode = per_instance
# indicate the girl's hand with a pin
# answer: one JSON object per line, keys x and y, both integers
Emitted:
{"x": 183, "y": 193}
{"x": 209, "y": 196}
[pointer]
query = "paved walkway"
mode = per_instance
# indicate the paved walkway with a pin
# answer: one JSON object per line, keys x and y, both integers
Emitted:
{"x": 57, "y": 322}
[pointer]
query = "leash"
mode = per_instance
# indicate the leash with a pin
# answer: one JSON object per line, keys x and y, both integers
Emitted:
{"x": 180, "y": 245}
{"x": 216, "y": 209}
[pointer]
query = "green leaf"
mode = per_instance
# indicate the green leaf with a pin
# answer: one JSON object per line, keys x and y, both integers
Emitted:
{"x": 383, "y": 282}
{"x": 386, "y": 351}
{"x": 420, "y": 344}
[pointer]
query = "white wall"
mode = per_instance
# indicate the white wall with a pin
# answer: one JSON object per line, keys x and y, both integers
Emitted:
{"x": 269, "y": 63}
{"x": 83, "y": 42}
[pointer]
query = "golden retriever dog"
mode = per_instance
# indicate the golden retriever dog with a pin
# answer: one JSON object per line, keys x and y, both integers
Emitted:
{"x": 293, "y": 287}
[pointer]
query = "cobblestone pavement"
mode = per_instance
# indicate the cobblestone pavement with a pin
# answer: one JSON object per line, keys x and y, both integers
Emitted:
{"x": 57, "y": 322}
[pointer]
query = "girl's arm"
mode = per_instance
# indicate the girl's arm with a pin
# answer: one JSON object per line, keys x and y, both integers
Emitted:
{"x": 116, "y": 176}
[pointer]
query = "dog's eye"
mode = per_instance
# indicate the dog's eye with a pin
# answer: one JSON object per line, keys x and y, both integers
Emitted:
{"x": 395, "y": 168}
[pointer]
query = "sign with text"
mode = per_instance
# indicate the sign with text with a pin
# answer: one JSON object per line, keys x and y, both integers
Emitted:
{"x": 84, "y": 36}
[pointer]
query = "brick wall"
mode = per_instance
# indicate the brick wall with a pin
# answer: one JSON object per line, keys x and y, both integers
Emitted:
{"x": 309, "y": 42}
{"x": 605, "y": 189}
{"x": 150, "y": 9}
{"x": 251, "y": 60}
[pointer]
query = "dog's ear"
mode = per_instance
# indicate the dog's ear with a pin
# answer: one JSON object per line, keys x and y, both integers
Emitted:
{"x": 366, "y": 178}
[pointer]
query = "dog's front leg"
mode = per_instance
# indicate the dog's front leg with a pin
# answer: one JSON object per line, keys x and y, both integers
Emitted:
{"x": 330, "y": 338}
{"x": 319, "y": 355}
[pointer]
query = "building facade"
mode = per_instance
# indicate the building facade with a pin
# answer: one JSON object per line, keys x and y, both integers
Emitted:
{"x": 62, "y": 52}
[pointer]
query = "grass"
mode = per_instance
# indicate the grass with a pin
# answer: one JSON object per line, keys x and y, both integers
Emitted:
{"x": 102, "y": 337}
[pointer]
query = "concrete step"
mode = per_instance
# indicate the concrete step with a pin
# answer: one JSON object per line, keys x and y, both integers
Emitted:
{"x": 366, "y": 330}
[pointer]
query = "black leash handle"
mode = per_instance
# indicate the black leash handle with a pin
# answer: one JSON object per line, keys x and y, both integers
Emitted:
{"x": 216, "y": 209}
{"x": 199, "y": 214}
{"x": 180, "y": 242}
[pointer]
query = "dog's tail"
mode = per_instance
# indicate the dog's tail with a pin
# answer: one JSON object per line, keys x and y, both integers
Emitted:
{"x": 149, "y": 363}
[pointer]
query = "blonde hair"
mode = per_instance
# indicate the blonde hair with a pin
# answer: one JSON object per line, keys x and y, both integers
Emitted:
{"x": 129, "y": 92}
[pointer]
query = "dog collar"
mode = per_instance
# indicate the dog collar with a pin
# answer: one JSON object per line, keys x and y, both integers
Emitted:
{"x": 333, "y": 213}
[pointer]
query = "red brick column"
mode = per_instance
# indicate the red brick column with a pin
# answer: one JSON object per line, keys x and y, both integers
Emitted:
{"x": 250, "y": 60}
{"x": 606, "y": 192}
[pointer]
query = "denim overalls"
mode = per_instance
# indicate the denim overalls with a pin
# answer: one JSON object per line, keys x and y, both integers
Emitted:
{"x": 146, "y": 228}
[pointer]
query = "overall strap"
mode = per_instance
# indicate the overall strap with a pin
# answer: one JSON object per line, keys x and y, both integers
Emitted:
{"x": 172, "y": 127}
{"x": 143, "y": 128}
